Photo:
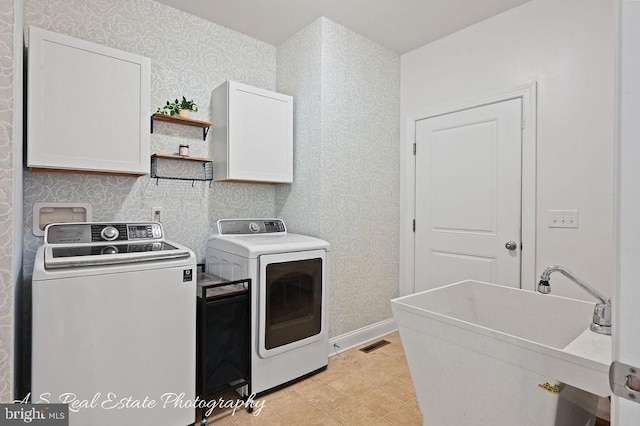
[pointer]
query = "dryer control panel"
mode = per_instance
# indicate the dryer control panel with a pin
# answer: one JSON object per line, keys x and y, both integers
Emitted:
{"x": 251, "y": 226}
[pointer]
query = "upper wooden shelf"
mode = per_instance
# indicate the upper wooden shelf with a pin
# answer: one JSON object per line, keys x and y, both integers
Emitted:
{"x": 205, "y": 125}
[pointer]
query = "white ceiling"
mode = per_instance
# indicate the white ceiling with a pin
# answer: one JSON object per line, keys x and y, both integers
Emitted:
{"x": 400, "y": 25}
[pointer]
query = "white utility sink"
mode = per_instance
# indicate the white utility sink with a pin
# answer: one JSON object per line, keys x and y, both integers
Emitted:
{"x": 492, "y": 346}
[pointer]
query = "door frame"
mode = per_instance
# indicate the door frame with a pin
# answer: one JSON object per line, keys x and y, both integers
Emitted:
{"x": 527, "y": 93}
{"x": 626, "y": 348}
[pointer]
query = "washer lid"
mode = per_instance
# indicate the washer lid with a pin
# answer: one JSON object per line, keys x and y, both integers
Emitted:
{"x": 56, "y": 257}
{"x": 70, "y": 245}
{"x": 252, "y": 246}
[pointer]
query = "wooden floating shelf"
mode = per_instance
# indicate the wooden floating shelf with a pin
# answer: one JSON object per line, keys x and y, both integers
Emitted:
{"x": 180, "y": 120}
{"x": 176, "y": 119}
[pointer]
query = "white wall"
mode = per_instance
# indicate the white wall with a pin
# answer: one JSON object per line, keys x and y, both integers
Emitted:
{"x": 567, "y": 47}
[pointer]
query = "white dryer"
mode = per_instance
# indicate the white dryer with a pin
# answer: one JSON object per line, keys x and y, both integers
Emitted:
{"x": 114, "y": 324}
{"x": 289, "y": 297}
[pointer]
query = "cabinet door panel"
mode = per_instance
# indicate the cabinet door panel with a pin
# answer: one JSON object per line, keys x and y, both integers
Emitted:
{"x": 253, "y": 135}
{"x": 259, "y": 128}
{"x": 88, "y": 106}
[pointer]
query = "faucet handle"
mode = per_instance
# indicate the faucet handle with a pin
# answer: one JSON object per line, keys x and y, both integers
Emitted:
{"x": 602, "y": 318}
{"x": 602, "y": 314}
{"x": 544, "y": 287}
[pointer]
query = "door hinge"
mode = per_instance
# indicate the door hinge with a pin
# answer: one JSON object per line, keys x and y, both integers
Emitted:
{"x": 624, "y": 381}
{"x": 414, "y": 225}
{"x": 522, "y": 124}
{"x": 414, "y": 148}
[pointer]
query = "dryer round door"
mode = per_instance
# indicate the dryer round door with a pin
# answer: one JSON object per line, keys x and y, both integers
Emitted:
{"x": 292, "y": 301}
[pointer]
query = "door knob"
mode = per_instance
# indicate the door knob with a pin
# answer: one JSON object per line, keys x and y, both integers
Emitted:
{"x": 511, "y": 245}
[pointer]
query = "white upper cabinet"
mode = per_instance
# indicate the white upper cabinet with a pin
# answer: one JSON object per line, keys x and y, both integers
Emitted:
{"x": 87, "y": 106}
{"x": 252, "y": 135}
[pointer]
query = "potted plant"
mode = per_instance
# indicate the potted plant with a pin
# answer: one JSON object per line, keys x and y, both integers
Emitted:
{"x": 171, "y": 108}
{"x": 186, "y": 106}
{"x": 182, "y": 108}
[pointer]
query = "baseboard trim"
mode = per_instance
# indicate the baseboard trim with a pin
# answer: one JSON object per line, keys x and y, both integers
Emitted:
{"x": 360, "y": 336}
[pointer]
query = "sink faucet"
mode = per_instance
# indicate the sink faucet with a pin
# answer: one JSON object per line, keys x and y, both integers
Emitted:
{"x": 602, "y": 312}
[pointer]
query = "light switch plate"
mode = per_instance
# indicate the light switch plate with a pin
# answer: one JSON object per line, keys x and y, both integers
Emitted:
{"x": 563, "y": 218}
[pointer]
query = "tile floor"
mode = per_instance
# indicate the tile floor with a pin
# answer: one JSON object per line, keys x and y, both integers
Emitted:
{"x": 356, "y": 389}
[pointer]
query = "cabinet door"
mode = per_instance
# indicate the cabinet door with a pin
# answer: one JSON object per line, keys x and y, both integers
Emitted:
{"x": 88, "y": 106}
{"x": 260, "y": 135}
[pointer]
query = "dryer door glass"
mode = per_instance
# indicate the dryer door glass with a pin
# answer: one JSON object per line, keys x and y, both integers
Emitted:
{"x": 293, "y": 301}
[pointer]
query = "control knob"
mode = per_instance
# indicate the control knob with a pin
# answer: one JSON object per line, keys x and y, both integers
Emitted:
{"x": 109, "y": 233}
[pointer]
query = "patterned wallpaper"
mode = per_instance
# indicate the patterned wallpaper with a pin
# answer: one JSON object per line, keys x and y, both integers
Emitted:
{"x": 346, "y": 188}
{"x": 189, "y": 56}
{"x": 300, "y": 74}
{"x": 346, "y": 170}
{"x": 7, "y": 276}
{"x": 361, "y": 133}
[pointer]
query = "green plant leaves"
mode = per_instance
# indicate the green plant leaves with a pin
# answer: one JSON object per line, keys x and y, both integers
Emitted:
{"x": 173, "y": 108}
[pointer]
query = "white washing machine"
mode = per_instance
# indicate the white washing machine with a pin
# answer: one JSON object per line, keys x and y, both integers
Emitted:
{"x": 114, "y": 324}
{"x": 289, "y": 295}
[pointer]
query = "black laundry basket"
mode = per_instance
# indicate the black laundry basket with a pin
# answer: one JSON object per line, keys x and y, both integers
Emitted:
{"x": 226, "y": 341}
{"x": 223, "y": 336}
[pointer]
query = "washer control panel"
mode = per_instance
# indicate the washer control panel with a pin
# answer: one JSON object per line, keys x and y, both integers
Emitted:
{"x": 251, "y": 226}
{"x": 144, "y": 231}
{"x": 90, "y": 233}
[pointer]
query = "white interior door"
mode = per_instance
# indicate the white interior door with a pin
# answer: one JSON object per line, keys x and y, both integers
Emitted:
{"x": 626, "y": 321}
{"x": 468, "y": 196}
